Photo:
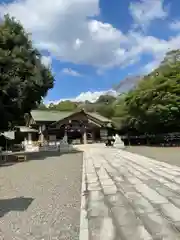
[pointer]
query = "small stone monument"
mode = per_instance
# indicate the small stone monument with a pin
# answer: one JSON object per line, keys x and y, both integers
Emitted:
{"x": 64, "y": 145}
{"x": 118, "y": 142}
{"x": 65, "y": 140}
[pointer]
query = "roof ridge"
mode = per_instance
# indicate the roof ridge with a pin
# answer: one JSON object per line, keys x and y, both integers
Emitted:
{"x": 47, "y": 110}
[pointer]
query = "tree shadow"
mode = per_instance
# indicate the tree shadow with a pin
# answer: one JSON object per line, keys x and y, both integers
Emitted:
{"x": 19, "y": 204}
{"x": 42, "y": 155}
{"x": 48, "y": 154}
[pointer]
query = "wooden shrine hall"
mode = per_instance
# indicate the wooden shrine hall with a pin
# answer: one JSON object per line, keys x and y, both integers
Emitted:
{"x": 81, "y": 127}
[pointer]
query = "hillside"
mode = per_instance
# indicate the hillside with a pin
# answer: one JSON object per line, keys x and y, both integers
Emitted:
{"x": 127, "y": 84}
{"x": 108, "y": 105}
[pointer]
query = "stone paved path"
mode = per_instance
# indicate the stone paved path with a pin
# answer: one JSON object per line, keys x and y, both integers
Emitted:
{"x": 128, "y": 196}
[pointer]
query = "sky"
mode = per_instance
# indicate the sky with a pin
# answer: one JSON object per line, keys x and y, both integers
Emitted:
{"x": 91, "y": 45}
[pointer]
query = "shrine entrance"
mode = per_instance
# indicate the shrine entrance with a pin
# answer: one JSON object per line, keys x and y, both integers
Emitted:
{"x": 81, "y": 132}
{"x": 80, "y": 128}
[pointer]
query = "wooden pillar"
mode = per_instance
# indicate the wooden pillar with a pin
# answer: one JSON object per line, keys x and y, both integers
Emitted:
{"x": 29, "y": 138}
{"x": 41, "y": 129}
{"x": 65, "y": 135}
{"x": 93, "y": 134}
{"x": 103, "y": 134}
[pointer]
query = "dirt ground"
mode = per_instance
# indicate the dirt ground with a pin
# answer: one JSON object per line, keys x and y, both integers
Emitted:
{"x": 170, "y": 155}
{"x": 40, "y": 199}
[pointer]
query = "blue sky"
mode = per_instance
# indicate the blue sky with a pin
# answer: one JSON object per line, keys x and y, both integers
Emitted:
{"x": 91, "y": 45}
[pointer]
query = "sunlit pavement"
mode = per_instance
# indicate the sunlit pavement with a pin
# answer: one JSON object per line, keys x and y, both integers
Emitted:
{"x": 127, "y": 196}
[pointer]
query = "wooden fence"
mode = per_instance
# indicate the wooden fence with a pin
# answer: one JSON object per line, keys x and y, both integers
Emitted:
{"x": 168, "y": 139}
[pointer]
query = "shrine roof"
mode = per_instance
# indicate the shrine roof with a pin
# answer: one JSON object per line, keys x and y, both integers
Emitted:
{"x": 49, "y": 116}
{"x": 55, "y": 116}
{"x": 99, "y": 117}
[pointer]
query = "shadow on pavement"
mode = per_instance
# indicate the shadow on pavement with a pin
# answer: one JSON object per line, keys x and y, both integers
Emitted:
{"x": 30, "y": 156}
{"x": 19, "y": 204}
{"x": 46, "y": 154}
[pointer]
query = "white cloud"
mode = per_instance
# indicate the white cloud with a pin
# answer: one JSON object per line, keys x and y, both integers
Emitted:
{"x": 157, "y": 48}
{"x": 160, "y": 48}
{"x": 175, "y": 25}
{"x": 89, "y": 96}
{"x": 86, "y": 96}
{"x": 46, "y": 60}
{"x": 71, "y": 72}
{"x": 145, "y": 11}
{"x": 66, "y": 31}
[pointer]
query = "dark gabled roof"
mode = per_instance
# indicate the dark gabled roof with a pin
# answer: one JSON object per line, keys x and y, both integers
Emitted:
{"x": 56, "y": 116}
{"x": 98, "y": 117}
{"x": 100, "y": 120}
{"x": 49, "y": 116}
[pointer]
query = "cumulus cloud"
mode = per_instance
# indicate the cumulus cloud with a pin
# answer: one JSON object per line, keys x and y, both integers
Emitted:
{"x": 89, "y": 96}
{"x": 68, "y": 31}
{"x": 145, "y": 11}
{"x": 161, "y": 47}
{"x": 65, "y": 29}
{"x": 86, "y": 96}
{"x": 155, "y": 47}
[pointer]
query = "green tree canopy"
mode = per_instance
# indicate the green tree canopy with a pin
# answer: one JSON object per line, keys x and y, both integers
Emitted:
{"x": 154, "y": 106}
{"x": 106, "y": 99}
{"x": 42, "y": 106}
{"x": 24, "y": 80}
{"x": 64, "y": 106}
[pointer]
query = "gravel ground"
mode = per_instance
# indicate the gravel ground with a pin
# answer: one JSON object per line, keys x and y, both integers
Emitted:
{"x": 40, "y": 199}
{"x": 170, "y": 155}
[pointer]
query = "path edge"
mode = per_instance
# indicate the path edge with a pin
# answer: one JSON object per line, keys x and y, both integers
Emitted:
{"x": 83, "y": 232}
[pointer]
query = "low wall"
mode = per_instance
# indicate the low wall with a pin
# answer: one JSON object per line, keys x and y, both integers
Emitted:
{"x": 60, "y": 147}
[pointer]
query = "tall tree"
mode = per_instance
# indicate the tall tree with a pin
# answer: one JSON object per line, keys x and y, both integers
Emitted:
{"x": 24, "y": 80}
{"x": 106, "y": 99}
{"x": 154, "y": 106}
{"x": 63, "y": 106}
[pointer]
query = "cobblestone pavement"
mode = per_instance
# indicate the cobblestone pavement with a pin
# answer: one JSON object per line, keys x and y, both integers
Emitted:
{"x": 40, "y": 199}
{"x": 128, "y": 197}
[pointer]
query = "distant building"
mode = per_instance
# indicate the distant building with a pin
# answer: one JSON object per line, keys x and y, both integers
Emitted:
{"x": 80, "y": 126}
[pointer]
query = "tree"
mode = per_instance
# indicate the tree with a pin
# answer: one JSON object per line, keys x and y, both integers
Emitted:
{"x": 42, "y": 106}
{"x": 87, "y": 106}
{"x": 171, "y": 58}
{"x": 106, "y": 111}
{"x": 63, "y": 106}
{"x": 106, "y": 99}
{"x": 154, "y": 106}
{"x": 24, "y": 80}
